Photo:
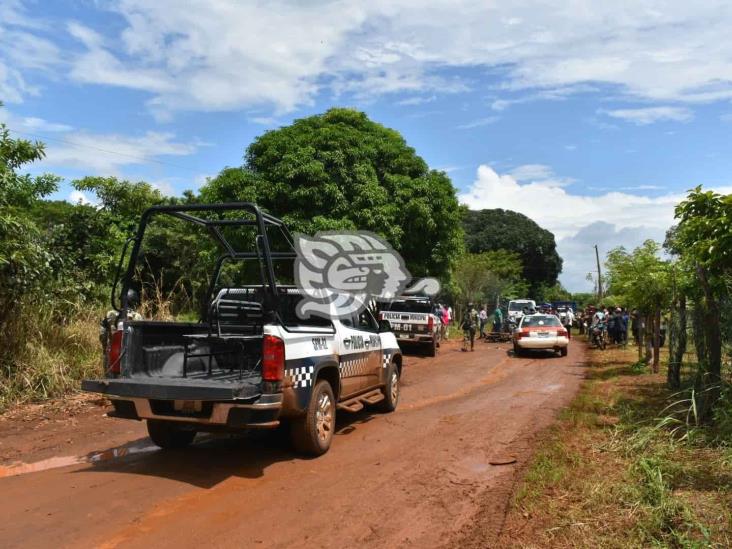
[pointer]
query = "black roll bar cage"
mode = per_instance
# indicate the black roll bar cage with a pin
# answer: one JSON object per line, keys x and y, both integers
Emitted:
{"x": 263, "y": 253}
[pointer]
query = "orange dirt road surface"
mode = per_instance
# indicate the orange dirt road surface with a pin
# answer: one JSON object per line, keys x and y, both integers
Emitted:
{"x": 421, "y": 477}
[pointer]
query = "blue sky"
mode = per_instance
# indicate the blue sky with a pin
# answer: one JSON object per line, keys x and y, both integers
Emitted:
{"x": 591, "y": 118}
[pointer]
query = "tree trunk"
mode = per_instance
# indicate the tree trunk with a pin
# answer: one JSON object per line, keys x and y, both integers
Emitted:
{"x": 639, "y": 335}
{"x": 710, "y": 371}
{"x": 678, "y": 335}
{"x": 656, "y": 340}
{"x": 648, "y": 337}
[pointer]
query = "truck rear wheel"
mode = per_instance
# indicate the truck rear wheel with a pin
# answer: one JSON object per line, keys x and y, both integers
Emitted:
{"x": 432, "y": 348}
{"x": 391, "y": 390}
{"x": 168, "y": 434}
{"x": 313, "y": 432}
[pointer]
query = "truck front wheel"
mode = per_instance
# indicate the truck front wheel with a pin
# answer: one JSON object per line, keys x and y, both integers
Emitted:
{"x": 168, "y": 434}
{"x": 391, "y": 391}
{"x": 313, "y": 432}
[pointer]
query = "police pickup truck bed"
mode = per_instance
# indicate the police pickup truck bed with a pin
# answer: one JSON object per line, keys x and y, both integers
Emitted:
{"x": 250, "y": 363}
{"x": 412, "y": 321}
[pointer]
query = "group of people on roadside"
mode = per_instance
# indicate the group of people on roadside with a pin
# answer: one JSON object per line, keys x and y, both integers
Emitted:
{"x": 444, "y": 313}
{"x": 475, "y": 321}
{"x": 615, "y": 321}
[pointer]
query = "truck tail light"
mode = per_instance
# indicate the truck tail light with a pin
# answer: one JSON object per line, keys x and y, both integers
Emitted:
{"x": 114, "y": 353}
{"x": 430, "y": 323}
{"x": 273, "y": 358}
{"x": 523, "y": 332}
{"x": 562, "y": 333}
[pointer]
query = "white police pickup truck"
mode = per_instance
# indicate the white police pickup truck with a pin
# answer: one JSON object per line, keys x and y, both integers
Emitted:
{"x": 250, "y": 362}
{"x": 413, "y": 321}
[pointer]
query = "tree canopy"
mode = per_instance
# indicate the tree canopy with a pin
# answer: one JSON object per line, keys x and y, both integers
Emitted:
{"x": 341, "y": 170}
{"x": 497, "y": 229}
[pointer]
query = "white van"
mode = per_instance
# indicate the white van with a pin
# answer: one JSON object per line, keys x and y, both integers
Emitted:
{"x": 516, "y": 308}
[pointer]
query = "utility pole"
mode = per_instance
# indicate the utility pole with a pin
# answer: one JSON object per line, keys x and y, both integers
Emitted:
{"x": 599, "y": 275}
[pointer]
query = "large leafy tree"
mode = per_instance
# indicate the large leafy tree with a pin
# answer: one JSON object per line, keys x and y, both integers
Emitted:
{"x": 643, "y": 278}
{"x": 498, "y": 229}
{"x": 25, "y": 261}
{"x": 485, "y": 277}
{"x": 341, "y": 170}
{"x": 703, "y": 241}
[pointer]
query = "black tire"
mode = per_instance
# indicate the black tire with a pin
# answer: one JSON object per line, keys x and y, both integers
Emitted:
{"x": 312, "y": 433}
{"x": 392, "y": 390}
{"x": 563, "y": 351}
{"x": 432, "y": 349}
{"x": 169, "y": 434}
{"x": 517, "y": 350}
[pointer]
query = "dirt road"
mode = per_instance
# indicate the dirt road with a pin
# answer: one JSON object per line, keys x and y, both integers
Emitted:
{"x": 420, "y": 477}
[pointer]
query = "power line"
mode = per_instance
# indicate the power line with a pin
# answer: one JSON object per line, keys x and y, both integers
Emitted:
{"x": 141, "y": 159}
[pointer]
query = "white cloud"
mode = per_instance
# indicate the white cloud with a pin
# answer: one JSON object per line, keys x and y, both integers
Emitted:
{"x": 540, "y": 174}
{"x": 219, "y": 55}
{"x": 78, "y": 197}
{"x": 478, "y": 123}
{"x": 105, "y": 154}
{"x": 22, "y": 51}
{"x": 30, "y": 124}
{"x": 629, "y": 218}
{"x": 417, "y": 100}
{"x": 649, "y": 115}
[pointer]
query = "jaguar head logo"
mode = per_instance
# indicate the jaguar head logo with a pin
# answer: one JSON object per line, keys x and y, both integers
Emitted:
{"x": 340, "y": 273}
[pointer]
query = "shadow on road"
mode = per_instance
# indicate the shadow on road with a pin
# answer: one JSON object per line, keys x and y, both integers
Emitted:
{"x": 212, "y": 458}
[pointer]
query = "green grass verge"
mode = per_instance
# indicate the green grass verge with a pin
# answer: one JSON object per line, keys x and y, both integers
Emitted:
{"x": 613, "y": 473}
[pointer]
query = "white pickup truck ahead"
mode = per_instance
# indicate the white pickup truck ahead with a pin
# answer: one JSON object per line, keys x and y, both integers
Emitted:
{"x": 413, "y": 321}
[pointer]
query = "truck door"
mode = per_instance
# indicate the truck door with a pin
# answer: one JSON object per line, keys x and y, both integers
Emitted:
{"x": 353, "y": 355}
{"x": 368, "y": 326}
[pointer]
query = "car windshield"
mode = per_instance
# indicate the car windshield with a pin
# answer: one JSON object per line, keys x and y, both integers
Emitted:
{"x": 410, "y": 306}
{"x": 540, "y": 320}
{"x": 518, "y": 305}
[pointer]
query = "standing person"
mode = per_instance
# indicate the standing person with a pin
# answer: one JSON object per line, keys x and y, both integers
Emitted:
{"x": 611, "y": 325}
{"x": 445, "y": 321}
{"x": 449, "y": 314}
{"x": 635, "y": 325}
{"x": 626, "y": 323}
{"x": 568, "y": 319}
{"x": 469, "y": 323}
{"x": 483, "y": 320}
{"x": 620, "y": 326}
{"x": 497, "y": 320}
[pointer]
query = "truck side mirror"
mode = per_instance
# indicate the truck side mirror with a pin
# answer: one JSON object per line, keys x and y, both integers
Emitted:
{"x": 384, "y": 326}
{"x": 133, "y": 299}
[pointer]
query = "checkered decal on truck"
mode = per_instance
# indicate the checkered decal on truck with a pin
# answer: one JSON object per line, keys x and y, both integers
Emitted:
{"x": 350, "y": 367}
{"x": 301, "y": 377}
{"x": 386, "y": 358}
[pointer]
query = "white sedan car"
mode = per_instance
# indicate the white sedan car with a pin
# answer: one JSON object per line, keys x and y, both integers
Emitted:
{"x": 540, "y": 332}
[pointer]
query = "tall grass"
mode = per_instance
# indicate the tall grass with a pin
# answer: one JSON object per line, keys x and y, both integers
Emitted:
{"x": 47, "y": 351}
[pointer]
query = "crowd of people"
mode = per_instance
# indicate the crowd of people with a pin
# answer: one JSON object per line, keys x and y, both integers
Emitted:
{"x": 618, "y": 322}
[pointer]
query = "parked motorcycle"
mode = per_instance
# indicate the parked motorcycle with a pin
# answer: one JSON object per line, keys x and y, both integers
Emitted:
{"x": 599, "y": 336}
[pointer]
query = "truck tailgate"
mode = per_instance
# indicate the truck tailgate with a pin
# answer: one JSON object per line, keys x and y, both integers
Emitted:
{"x": 194, "y": 387}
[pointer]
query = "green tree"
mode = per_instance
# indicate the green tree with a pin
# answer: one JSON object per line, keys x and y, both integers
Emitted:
{"x": 644, "y": 279}
{"x": 25, "y": 261}
{"x": 703, "y": 242}
{"x": 341, "y": 170}
{"x": 497, "y": 229}
{"x": 488, "y": 276}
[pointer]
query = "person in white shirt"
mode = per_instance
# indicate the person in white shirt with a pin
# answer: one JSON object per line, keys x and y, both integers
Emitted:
{"x": 483, "y": 320}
